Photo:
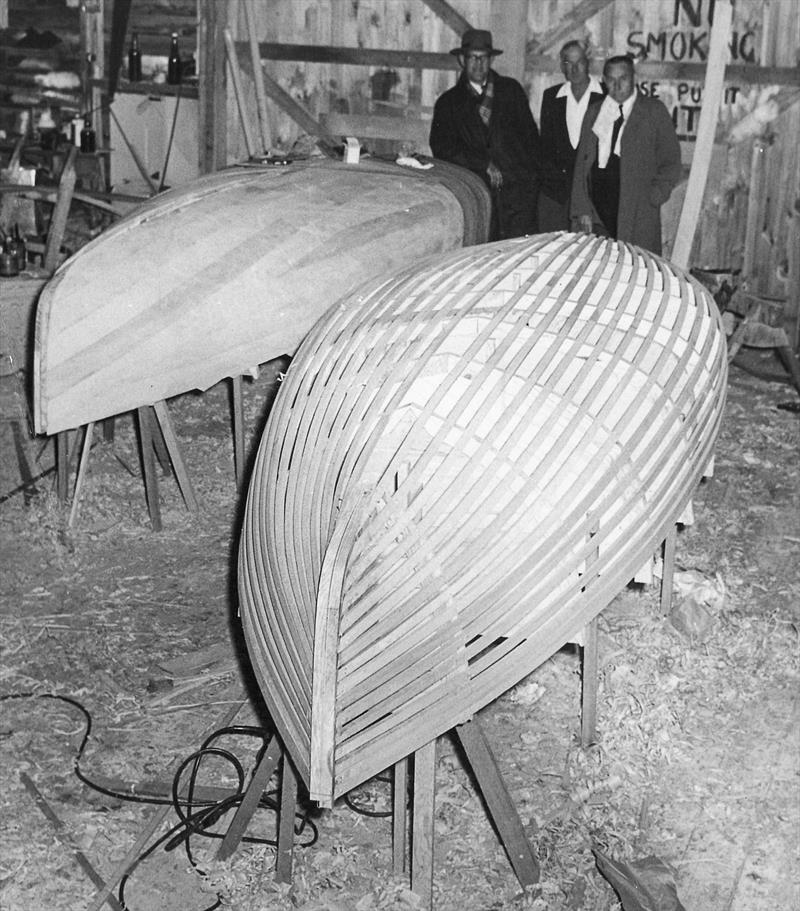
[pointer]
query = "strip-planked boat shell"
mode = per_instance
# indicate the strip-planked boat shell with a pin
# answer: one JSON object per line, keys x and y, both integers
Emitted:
{"x": 465, "y": 464}
{"x": 214, "y": 278}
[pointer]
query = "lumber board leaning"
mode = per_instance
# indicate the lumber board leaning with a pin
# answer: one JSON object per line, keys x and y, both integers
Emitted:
{"x": 211, "y": 279}
{"x": 467, "y": 461}
{"x": 704, "y": 146}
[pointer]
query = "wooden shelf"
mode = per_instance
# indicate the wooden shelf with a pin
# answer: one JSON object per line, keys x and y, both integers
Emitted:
{"x": 187, "y": 89}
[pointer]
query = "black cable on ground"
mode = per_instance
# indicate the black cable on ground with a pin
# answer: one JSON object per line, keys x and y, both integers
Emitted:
{"x": 192, "y": 821}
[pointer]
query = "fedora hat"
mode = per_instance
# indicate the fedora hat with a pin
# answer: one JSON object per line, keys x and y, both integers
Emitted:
{"x": 476, "y": 39}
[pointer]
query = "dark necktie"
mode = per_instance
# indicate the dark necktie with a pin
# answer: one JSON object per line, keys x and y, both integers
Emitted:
{"x": 615, "y": 131}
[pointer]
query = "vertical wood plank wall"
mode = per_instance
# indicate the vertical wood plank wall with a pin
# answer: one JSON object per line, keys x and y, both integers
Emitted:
{"x": 772, "y": 28}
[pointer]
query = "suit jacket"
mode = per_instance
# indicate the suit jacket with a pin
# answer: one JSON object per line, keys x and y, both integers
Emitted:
{"x": 558, "y": 156}
{"x": 511, "y": 141}
{"x": 650, "y": 168}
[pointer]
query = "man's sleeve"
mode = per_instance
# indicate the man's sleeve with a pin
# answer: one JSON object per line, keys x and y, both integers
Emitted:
{"x": 669, "y": 169}
{"x": 447, "y": 141}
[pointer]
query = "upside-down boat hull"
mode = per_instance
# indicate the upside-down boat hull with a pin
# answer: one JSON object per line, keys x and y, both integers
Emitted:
{"x": 464, "y": 466}
{"x": 214, "y": 278}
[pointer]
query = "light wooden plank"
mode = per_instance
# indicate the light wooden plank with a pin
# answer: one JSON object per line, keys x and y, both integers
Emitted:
{"x": 422, "y": 849}
{"x": 704, "y": 145}
{"x": 175, "y": 455}
{"x": 501, "y": 808}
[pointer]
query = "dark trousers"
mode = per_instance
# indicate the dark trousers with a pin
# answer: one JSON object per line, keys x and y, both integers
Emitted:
{"x": 604, "y": 193}
{"x": 514, "y": 210}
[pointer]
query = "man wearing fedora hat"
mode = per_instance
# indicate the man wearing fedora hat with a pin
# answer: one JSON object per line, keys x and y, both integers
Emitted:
{"x": 484, "y": 123}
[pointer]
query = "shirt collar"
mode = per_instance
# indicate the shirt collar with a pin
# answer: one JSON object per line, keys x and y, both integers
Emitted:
{"x": 594, "y": 86}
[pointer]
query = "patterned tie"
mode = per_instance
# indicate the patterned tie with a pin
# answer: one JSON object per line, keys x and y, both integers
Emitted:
{"x": 615, "y": 131}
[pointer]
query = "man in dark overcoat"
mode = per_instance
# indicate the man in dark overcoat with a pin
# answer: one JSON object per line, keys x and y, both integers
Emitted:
{"x": 484, "y": 123}
{"x": 628, "y": 162}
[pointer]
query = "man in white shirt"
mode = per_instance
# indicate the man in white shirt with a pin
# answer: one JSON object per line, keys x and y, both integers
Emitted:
{"x": 563, "y": 109}
{"x": 627, "y": 164}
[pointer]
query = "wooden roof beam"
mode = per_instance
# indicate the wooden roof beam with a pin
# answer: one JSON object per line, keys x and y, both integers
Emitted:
{"x": 448, "y": 15}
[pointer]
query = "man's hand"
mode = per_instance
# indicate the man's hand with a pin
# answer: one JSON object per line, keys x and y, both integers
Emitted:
{"x": 585, "y": 224}
{"x": 495, "y": 177}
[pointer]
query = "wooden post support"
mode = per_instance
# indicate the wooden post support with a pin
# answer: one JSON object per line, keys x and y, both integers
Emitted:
{"x": 422, "y": 823}
{"x": 258, "y": 76}
{"x": 238, "y": 91}
{"x": 589, "y": 685}
{"x": 263, "y": 772}
{"x": 174, "y": 450}
{"x": 668, "y": 569}
{"x": 213, "y": 150}
{"x": 238, "y": 429}
{"x": 399, "y": 815}
{"x": 58, "y": 221}
{"x": 144, "y": 418}
{"x": 589, "y": 653}
{"x": 82, "y": 466}
{"x": 704, "y": 146}
{"x": 283, "y": 866}
{"x": 502, "y": 811}
{"x": 62, "y": 465}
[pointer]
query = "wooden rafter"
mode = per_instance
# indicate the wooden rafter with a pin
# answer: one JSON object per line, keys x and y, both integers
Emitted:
{"x": 448, "y": 15}
{"x": 580, "y": 13}
{"x": 357, "y": 56}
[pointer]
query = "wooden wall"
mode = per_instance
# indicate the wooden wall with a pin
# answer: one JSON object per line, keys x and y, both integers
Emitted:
{"x": 750, "y": 212}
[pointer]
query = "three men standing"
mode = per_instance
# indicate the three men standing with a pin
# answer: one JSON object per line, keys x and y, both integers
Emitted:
{"x": 606, "y": 163}
{"x": 484, "y": 123}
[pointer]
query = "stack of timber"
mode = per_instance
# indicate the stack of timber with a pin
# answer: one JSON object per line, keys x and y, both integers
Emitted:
{"x": 465, "y": 464}
{"x": 216, "y": 277}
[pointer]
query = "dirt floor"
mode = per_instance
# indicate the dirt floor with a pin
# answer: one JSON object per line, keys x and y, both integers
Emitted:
{"x": 106, "y": 622}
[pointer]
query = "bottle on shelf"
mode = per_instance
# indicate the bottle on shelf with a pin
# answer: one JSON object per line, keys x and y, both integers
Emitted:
{"x": 88, "y": 137}
{"x": 174, "y": 62}
{"x": 134, "y": 60}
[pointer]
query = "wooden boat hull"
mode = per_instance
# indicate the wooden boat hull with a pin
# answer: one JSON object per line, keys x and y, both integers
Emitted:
{"x": 464, "y": 466}
{"x": 214, "y": 278}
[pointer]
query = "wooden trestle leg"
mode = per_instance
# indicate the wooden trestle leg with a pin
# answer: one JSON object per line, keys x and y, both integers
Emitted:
{"x": 174, "y": 450}
{"x": 82, "y": 466}
{"x": 589, "y": 685}
{"x": 62, "y": 465}
{"x": 263, "y": 772}
{"x": 668, "y": 570}
{"x": 288, "y": 806}
{"x": 502, "y": 811}
{"x": 422, "y": 823}
{"x": 500, "y": 807}
{"x": 155, "y": 430}
{"x": 238, "y": 429}
{"x": 399, "y": 821}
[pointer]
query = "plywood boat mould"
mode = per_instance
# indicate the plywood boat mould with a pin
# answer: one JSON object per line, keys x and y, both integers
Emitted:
{"x": 212, "y": 279}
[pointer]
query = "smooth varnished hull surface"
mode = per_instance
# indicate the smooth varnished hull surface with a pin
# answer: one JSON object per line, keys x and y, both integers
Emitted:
{"x": 214, "y": 278}
{"x": 464, "y": 466}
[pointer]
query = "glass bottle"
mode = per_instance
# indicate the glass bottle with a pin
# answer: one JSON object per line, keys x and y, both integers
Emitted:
{"x": 134, "y": 60}
{"x": 174, "y": 62}
{"x": 88, "y": 138}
